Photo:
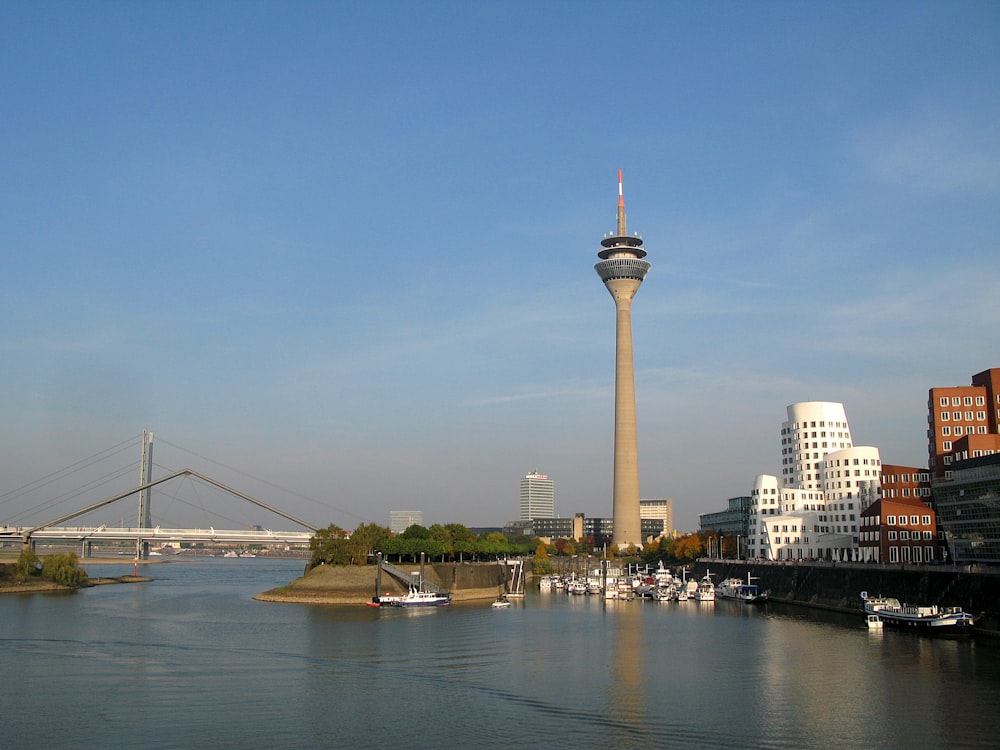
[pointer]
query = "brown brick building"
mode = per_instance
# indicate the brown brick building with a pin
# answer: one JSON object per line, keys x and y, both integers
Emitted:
{"x": 963, "y": 422}
{"x": 900, "y": 530}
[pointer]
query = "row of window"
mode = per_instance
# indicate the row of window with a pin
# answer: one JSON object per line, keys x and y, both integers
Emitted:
{"x": 905, "y": 492}
{"x": 980, "y": 416}
{"x": 966, "y": 401}
{"x": 904, "y": 478}
{"x": 806, "y": 425}
{"x": 958, "y": 430}
{"x": 911, "y": 554}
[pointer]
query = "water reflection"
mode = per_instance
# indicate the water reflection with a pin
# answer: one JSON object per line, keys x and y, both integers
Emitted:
{"x": 574, "y": 671}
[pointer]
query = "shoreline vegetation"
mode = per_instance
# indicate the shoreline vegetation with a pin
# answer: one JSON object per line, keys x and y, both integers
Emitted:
{"x": 18, "y": 577}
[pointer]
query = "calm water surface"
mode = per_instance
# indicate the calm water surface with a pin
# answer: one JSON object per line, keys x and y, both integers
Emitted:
{"x": 190, "y": 660}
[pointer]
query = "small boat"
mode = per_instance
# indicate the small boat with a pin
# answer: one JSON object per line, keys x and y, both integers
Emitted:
{"x": 502, "y": 602}
{"x": 874, "y": 622}
{"x": 930, "y": 619}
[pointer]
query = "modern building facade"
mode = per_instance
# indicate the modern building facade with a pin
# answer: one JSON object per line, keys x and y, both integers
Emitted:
{"x": 401, "y": 520}
{"x": 734, "y": 520}
{"x": 827, "y": 481}
{"x": 968, "y": 508}
{"x": 963, "y": 422}
{"x": 622, "y": 269}
{"x": 537, "y": 496}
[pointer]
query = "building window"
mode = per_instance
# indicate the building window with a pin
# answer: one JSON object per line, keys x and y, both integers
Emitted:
{"x": 890, "y": 520}
{"x": 892, "y": 536}
{"x": 958, "y": 430}
{"x": 946, "y": 445}
{"x": 968, "y": 400}
{"x": 917, "y": 557}
{"x": 914, "y": 520}
{"x": 956, "y": 401}
{"x": 925, "y": 520}
{"x": 928, "y": 553}
{"x": 904, "y": 535}
{"x": 893, "y": 554}
{"x": 946, "y": 430}
{"x": 906, "y": 554}
{"x": 980, "y": 400}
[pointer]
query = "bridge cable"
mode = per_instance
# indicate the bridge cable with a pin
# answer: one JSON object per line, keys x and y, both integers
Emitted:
{"x": 326, "y": 506}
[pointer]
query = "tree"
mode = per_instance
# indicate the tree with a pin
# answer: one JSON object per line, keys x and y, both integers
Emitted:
{"x": 442, "y": 536}
{"x": 364, "y": 541}
{"x": 329, "y": 546}
{"x": 416, "y": 531}
{"x": 27, "y": 565}
{"x": 64, "y": 569}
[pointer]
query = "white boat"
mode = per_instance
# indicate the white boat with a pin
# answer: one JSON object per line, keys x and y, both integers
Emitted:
{"x": 625, "y": 591}
{"x": 415, "y": 597}
{"x": 735, "y": 588}
{"x": 930, "y": 619}
{"x": 705, "y": 590}
{"x": 874, "y": 622}
{"x": 665, "y": 593}
{"x": 501, "y": 603}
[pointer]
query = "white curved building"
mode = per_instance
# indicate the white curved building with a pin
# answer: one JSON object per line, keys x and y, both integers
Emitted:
{"x": 813, "y": 510}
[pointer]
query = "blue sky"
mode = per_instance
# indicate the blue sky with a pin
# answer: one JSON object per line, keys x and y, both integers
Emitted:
{"x": 348, "y": 248}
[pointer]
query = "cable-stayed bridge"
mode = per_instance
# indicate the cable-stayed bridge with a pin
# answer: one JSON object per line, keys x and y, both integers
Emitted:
{"x": 144, "y": 533}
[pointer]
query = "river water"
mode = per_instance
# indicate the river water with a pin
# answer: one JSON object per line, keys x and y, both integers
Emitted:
{"x": 191, "y": 660}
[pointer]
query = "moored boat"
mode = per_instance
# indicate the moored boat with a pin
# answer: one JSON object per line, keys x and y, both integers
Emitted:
{"x": 930, "y": 619}
{"x": 415, "y": 597}
{"x": 735, "y": 588}
{"x": 705, "y": 590}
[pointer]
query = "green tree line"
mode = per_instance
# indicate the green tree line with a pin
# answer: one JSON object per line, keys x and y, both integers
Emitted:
{"x": 439, "y": 542}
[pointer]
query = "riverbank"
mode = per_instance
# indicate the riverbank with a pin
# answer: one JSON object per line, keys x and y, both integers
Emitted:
{"x": 838, "y": 586}
{"x": 355, "y": 584}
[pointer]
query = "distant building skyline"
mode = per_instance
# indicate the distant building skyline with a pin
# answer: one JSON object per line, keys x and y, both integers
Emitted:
{"x": 401, "y": 520}
{"x": 537, "y": 496}
{"x": 660, "y": 509}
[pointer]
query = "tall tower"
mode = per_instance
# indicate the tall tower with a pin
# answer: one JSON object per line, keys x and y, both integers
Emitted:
{"x": 622, "y": 270}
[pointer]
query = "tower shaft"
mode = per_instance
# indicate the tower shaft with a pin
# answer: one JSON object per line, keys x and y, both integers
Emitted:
{"x": 627, "y": 523}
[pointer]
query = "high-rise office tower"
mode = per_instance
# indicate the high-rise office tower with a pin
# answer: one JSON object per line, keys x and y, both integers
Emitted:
{"x": 537, "y": 497}
{"x": 622, "y": 270}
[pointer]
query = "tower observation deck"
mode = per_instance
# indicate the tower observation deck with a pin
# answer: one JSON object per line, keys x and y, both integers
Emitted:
{"x": 622, "y": 269}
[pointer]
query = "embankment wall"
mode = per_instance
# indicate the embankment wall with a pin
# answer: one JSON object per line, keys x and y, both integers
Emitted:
{"x": 839, "y": 586}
